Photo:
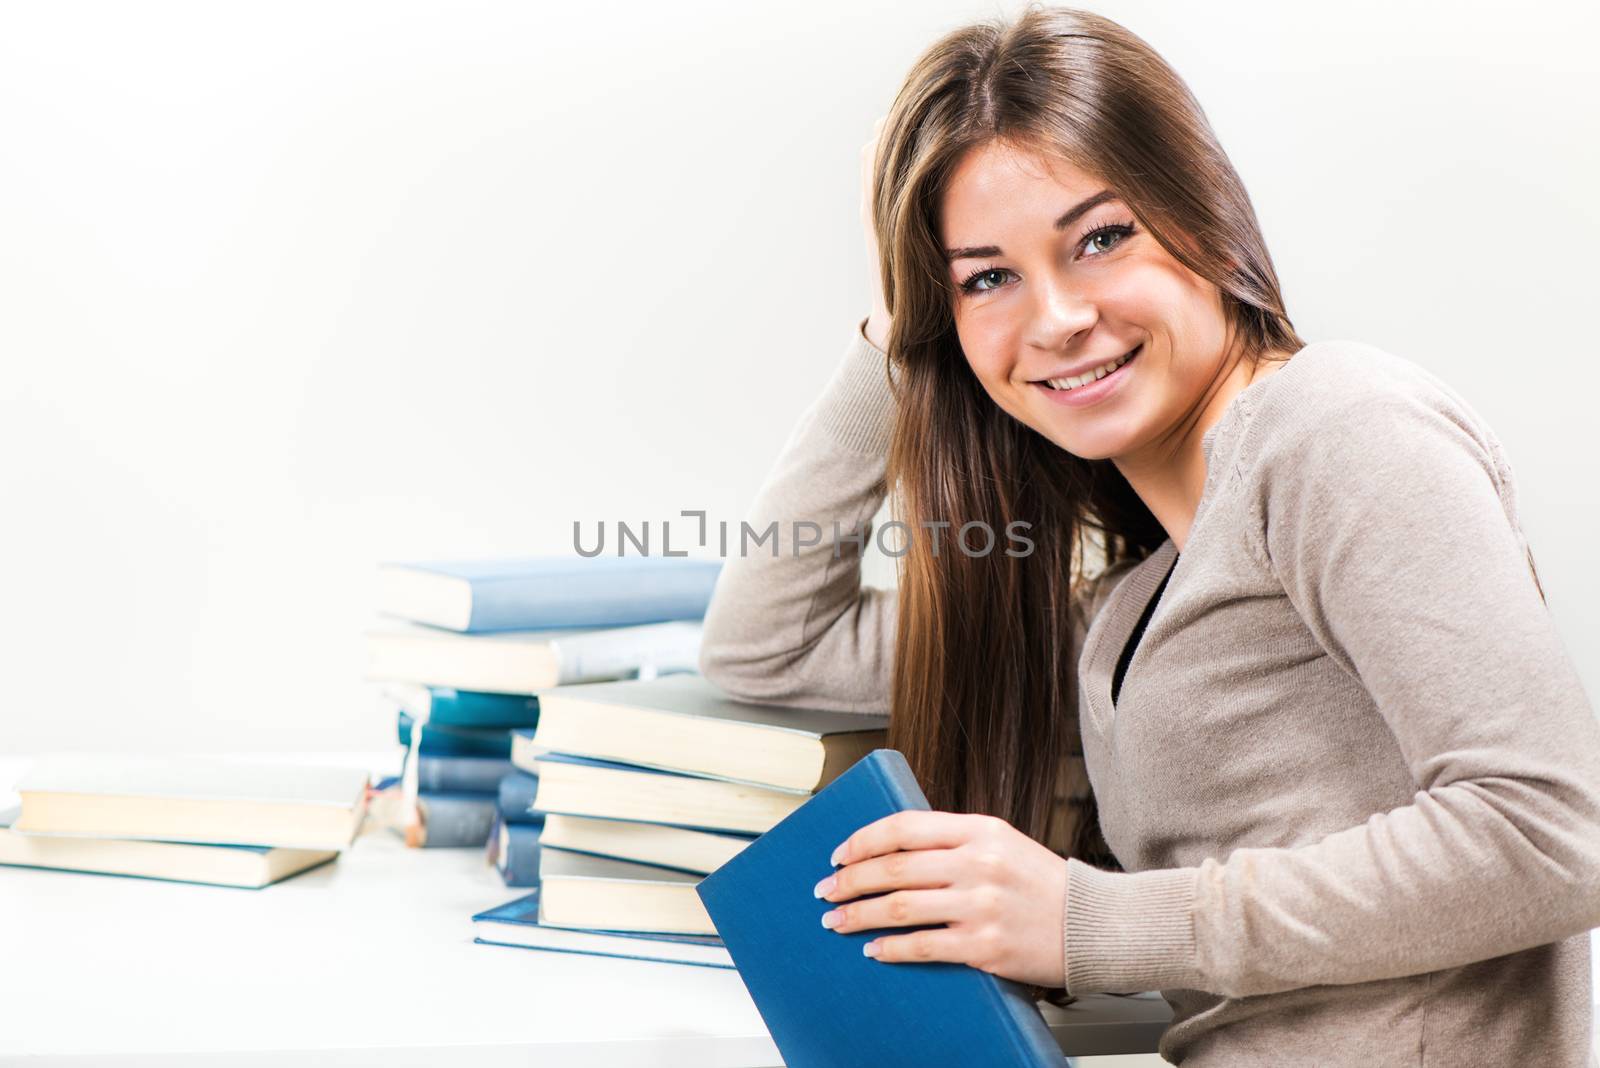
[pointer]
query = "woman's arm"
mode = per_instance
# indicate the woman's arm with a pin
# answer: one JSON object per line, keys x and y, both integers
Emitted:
{"x": 790, "y": 622}
{"x": 1395, "y": 548}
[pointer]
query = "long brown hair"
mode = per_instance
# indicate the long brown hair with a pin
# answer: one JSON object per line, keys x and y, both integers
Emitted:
{"x": 984, "y": 680}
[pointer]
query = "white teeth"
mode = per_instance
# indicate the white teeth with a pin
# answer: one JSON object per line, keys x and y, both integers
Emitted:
{"x": 1090, "y": 376}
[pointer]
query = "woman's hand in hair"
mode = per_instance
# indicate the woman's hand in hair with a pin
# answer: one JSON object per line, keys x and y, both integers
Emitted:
{"x": 877, "y": 328}
{"x": 998, "y": 892}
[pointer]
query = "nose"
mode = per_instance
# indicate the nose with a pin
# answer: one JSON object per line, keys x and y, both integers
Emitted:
{"x": 1060, "y": 313}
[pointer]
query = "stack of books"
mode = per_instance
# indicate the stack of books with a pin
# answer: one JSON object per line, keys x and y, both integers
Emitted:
{"x": 645, "y": 787}
{"x": 468, "y": 645}
{"x": 184, "y": 819}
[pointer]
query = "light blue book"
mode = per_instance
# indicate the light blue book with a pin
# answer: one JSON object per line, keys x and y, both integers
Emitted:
{"x": 536, "y": 593}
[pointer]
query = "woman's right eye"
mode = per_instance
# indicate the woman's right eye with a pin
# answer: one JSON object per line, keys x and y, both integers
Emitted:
{"x": 970, "y": 284}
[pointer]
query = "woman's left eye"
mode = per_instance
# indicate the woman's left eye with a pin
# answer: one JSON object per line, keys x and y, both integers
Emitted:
{"x": 1120, "y": 232}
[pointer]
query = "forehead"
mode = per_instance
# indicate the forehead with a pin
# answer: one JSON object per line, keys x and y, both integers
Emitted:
{"x": 997, "y": 185}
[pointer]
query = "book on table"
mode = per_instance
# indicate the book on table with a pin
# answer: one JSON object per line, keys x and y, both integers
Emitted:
{"x": 660, "y": 844}
{"x": 599, "y": 893}
{"x": 531, "y": 593}
{"x": 580, "y": 786}
{"x": 193, "y": 799}
{"x": 843, "y": 1007}
{"x": 244, "y": 866}
{"x": 525, "y": 662}
{"x": 516, "y": 924}
{"x": 684, "y": 723}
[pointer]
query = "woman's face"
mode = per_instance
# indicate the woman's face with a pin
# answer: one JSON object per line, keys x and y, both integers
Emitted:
{"x": 1053, "y": 280}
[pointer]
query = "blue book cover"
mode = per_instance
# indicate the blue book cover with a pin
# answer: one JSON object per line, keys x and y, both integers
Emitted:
{"x": 454, "y": 820}
{"x": 463, "y": 708}
{"x": 537, "y": 593}
{"x": 456, "y": 774}
{"x": 440, "y": 740}
{"x": 517, "y": 857}
{"x": 516, "y": 792}
{"x": 471, "y": 708}
{"x": 823, "y": 1001}
{"x": 516, "y": 923}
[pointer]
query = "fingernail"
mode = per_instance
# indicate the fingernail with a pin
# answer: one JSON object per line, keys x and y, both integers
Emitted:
{"x": 838, "y": 854}
{"x": 824, "y": 888}
{"x": 870, "y": 949}
{"x": 830, "y": 919}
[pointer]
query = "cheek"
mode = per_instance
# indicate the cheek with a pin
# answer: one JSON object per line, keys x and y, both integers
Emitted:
{"x": 1145, "y": 291}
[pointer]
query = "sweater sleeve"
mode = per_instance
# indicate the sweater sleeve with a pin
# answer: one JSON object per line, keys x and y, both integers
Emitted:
{"x": 1391, "y": 523}
{"x": 790, "y": 622}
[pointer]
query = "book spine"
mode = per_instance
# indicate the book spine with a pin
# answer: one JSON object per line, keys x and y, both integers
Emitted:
{"x": 471, "y": 708}
{"x": 451, "y": 820}
{"x": 519, "y": 858}
{"x": 455, "y": 774}
{"x": 516, "y": 793}
{"x": 898, "y": 783}
{"x": 1035, "y": 1044}
{"x": 438, "y": 740}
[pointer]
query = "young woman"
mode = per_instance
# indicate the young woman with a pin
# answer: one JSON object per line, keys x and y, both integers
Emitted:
{"x": 1347, "y": 778}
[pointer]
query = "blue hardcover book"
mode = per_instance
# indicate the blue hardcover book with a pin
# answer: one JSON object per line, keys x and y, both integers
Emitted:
{"x": 823, "y": 1001}
{"x": 478, "y": 596}
{"x": 516, "y": 854}
{"x": 516, "y": 923}
{"x": 460, "y": 774}
{"x": 440, "y": 740}
{"x": 516, "y": 792}
{"x": 464, "y": 708}
{"x": 450, "y": 820}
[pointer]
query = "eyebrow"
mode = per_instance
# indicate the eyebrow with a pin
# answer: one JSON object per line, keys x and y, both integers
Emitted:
{"x": 1067, "y": 219}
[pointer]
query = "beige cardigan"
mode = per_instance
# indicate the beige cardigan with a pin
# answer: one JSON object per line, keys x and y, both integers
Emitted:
{"x": 1351, "y": 774}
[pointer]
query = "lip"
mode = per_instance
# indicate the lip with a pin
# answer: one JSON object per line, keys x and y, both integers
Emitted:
{"x": 1095, "y": 391}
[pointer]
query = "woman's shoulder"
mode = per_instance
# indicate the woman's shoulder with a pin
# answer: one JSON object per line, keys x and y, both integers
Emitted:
{"x": 1361, "y": 392}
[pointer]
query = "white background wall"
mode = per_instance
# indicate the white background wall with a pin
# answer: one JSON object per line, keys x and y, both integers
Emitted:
{"x": 288, "y": 290}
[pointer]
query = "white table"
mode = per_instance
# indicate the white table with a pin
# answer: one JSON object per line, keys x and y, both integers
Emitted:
{"x": 369, "y": 961}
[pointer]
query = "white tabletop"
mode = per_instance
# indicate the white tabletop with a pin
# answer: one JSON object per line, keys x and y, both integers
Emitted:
{"x": 369, "y": 960}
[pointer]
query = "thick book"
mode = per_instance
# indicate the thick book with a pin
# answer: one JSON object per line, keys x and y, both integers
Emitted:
{"x": 193, "y": 799}
{"x": 580, "y": 786}
{"x": 598, "y": 893}
{"x": 476, "y": 596}
{"x": 458, "y": 774}
{"x": 437, "y": 739}
{"x": 822, "y": 1000}
{"x": 684, "y": 723}
{"x": 524, "y": 662}
{"x": 683, "y": 848}
{"x": 516, "y": 924}
{"x": 514, "y": 852}
{"x": 462, "y": 708}
{"x": 514, "y": 794}
{"x": 248, "y": 867}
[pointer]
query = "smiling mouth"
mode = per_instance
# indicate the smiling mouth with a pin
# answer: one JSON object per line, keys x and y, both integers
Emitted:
{"x": 1067, "y": 385}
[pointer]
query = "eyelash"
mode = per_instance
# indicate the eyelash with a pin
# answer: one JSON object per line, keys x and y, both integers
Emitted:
{"x": 1124, "y": 230}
